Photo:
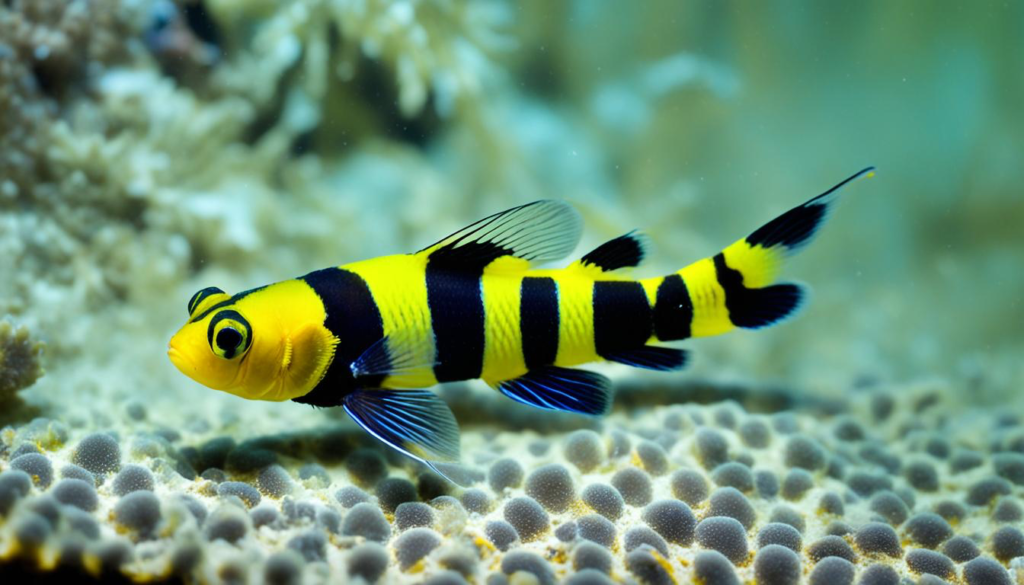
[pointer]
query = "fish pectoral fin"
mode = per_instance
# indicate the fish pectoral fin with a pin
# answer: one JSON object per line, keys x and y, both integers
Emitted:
{"x": 414, "y": 422}
{"x": 542, "y": 231}
{"x": 565, "y": 389}
{"x": 314, "y": 344}
{"x": 650, "y": 357}
{"x": 408, "y": 361}
{"x": 625, "y": 251}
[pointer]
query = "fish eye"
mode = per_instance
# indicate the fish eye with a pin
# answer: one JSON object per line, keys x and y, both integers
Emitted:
{"x": 229, "y": 334}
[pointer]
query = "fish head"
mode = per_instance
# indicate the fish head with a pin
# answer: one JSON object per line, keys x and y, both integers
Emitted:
{"x": 264, "y": 344}
{"x": 212, "y": 346}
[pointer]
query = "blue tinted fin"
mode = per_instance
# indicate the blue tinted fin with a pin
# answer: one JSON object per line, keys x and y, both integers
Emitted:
{"x": 564, "y": 389}
{"x": 395, "y": 355}
{"x": 414, "y": 422}
{"x": 625, "y": 251}
{"x": 650, "y": 357}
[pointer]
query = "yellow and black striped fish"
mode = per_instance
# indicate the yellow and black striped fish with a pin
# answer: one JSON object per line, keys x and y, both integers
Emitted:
{"x": 369, "y": 336}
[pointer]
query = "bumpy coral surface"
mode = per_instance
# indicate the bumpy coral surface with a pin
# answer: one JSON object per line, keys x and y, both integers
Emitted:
{"x": 870, "y": 490}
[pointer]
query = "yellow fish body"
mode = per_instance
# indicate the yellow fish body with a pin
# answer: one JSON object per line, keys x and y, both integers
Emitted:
{"x": 368, "y": 336}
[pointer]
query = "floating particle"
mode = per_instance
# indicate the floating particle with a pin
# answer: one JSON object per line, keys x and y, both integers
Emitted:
{"x": 584, "y": 449}
{"x": 672, "y": 519}
{"x": 133, "y": 478}
{"x": 634, "y": 486}
{"x": 366, "y": 520}
{"x": 551, "y": 486}
{"x": 776, "y": 565}
{"x": 780, "y": 534}
{"x": 505, "y": 473}
{"x": 725, "y": 535}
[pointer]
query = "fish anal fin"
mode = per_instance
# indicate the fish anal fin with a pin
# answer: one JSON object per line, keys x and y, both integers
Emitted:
{"x": 564, "y": 389}
{"x": 650, "y": 357}
{"x": 625, "y": 251}
{"x": 541, "y": 231}
{"x": 414, "y": 422}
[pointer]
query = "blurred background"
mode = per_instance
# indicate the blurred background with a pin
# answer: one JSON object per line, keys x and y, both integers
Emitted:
{"x": 150, "y": 148}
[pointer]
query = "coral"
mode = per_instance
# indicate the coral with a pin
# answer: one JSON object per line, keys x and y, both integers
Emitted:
{"x": 20, "y": 363}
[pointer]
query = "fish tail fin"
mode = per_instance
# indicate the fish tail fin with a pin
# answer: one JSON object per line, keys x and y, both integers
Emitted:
{"x": 736, "y": 287}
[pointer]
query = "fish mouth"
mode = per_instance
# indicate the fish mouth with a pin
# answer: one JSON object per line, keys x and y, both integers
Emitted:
{"x": 180, "y": 361}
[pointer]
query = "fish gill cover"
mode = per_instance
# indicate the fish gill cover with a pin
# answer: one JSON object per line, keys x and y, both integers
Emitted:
{"x": 150, "y": 149}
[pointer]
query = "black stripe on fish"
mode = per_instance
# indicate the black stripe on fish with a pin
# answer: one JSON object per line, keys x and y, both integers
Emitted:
{"x": 456, "y": 304}
{"x": 625, "y": 251}
{"x": 622, "y": 316}
{"x": 538, "y": 320}
{"x": 673, "y": 309}
{"x": 354, "y": 318}
{"x": 753, "y": 308}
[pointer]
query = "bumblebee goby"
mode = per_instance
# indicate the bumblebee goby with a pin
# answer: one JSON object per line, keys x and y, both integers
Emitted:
{"x": 372, "y": 336}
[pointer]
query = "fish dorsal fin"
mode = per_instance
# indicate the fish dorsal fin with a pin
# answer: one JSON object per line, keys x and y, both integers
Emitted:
{"x": 538, "y": 232}
{"x": 625, "y": 251}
